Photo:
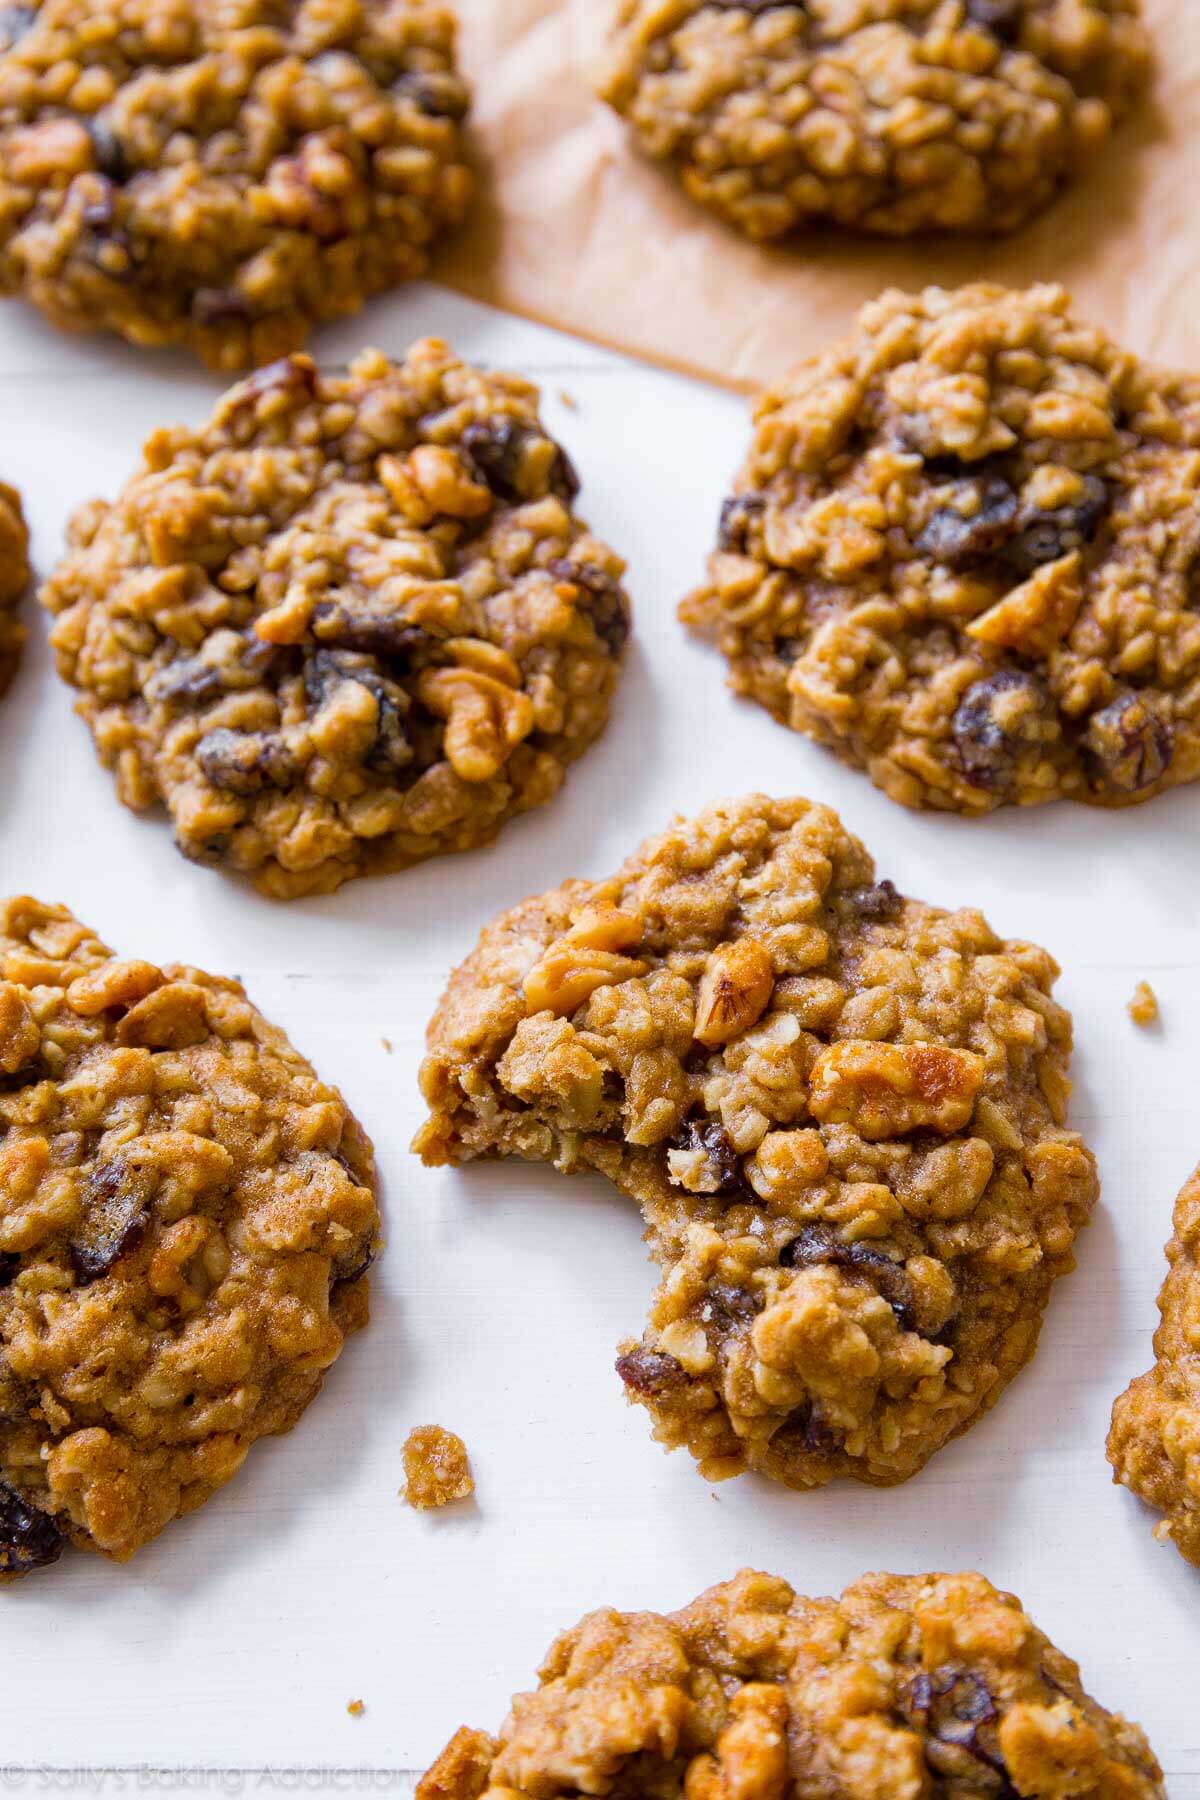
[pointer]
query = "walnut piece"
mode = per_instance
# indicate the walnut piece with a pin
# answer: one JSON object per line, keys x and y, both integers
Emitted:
{"x": 885, "y": 1090}
{"x": 735, "y": 990}
{"x": 585, "y": 958}
{"x": 485, "y": 719}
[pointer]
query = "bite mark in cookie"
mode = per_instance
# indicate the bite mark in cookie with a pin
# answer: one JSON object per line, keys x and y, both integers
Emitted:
{"x": 964, "y": 555}
{"x": 937, "y": 1685}
{"x": 841, "y": 1111}
{"x": 350, "y": 622}
{"x": 187, "y": 1215}
{"x": 224, "y": 176}
{"x": 896, "y": 117}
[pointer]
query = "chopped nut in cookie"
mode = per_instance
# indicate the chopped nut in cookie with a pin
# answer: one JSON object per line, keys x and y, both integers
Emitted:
{"x": 961, "y": 552}
{"x": 187, "y": 1217}
{"x": 938, "y": 1686}
{"x": 842, "y": 1113}
{"x": 370, "y": 627}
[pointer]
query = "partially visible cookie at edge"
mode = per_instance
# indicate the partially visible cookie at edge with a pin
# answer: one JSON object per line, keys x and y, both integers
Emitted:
{"x": 189, "y": 1217}
{"x": 841, "y": 1111}
{"x": 351, "y": 621}
{"x": 905, "y": 1685}
{"x": 14, "y": 579}
{"x": 964, "y": 553}
{"x": 1154, "y": 1444}
{"x": 895, "y": 117}
{"x": 224, "y": 177}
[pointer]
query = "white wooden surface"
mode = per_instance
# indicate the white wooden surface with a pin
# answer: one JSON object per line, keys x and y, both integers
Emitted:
{"x": 236, "y": 1641}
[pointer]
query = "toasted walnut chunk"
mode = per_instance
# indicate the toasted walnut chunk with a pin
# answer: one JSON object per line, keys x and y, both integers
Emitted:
{"x": 885, "y": 1090}
{"x": 734, "y": 992}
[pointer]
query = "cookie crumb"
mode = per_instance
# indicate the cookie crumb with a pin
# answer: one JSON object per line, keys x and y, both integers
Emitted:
{"x": 356, "y": 1708}
{"x": 568, "y": 399}
{"x": 437, "y": 1468}
{"x": 1143, "y": 1008}
{"x": 387, "y": 1044}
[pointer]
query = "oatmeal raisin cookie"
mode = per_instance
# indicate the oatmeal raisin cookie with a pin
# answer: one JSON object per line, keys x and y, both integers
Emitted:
{"x": 223, "y": 173}
{"x": 893, "y": 116}
{"x": 841, "y": 1111}
{"x": 930, "y": 1685}
{"x": 187, "y": 1215}
{"x": 14, "y": 579}
{"x": 964, "y": 553}
{"x": 1154, "y": 1444}
{"x": 349, "y": 622}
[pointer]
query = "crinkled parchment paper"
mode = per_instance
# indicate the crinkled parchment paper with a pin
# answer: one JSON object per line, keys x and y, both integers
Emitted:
{"x": 573, "y": 228}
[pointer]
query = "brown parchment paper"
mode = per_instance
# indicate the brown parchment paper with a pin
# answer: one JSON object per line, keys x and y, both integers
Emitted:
{"x": 576, "y": 230}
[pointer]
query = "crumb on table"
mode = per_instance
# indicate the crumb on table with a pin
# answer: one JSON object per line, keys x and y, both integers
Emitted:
{"x": 387, "y": 1044}
{"x": 356, "y": 1708}
{"x": 568, "y": 399}
{"x": 1143, "y": 1008}
{"x": 437, "y": 1468}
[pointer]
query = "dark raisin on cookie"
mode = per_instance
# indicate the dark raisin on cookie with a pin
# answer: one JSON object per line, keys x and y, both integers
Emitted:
{"x": 437, "y": 94}
{"x": 738, "y": 515}
{"x": 115, "y": 1216}
{"x": 1128, "y": 745}
{"x": 1001, "y": 17}
{"x": 980, "y": 521}
{"x": 997, "y": 718}
{"x": 604, "y": 604}
{"x": 650, "y": 1371}
{"x": 29, "y": 1539}
{"x": 244, "y": 762}
{"x": 1044, "y": 536}
{"x": 10, "y": 1264}
{"x": 821, "y": 1244}
{"x": 498, "y": 446}
{"x": 723, "y": 1166}
{"x": 878, "y": 902}
{"x": 327, "y": 669}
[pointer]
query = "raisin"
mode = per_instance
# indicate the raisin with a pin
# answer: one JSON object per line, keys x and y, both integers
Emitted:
{"x": 650, "y": 1372}
{"x": 957, "y": 537}
{"x": 724, "y": 1166}
{"x": 220, "y": 306}
{"x": 244, "y": 762}
{"x": 1001, "y": 17}
{"x": 15, "y": 21}
{"x": 738, "y": 515}
{"x": 189, "y": 681}
{"x": 809, "y": 1428}
{"x": 605, "y": 606}
{"x": 1128, "y": 746}
{"x": 327, "y": 669}
{"x": 821, "y": 1244}
{"x": 374, "y": 633}
{"x": 355, "y": 1272}
{"x": 10, "y": 1262}
{"x": 733, "y": 1303}
{"x": 497, "y": 447}
{"x": 997, "y": 718}
{"x": 956, "y": 1710}
{"x": 115, "y": 1216}
{"x": 439, "y": 95}
{"x": 1045, "y": 536}
{"x": 108, "y": 151}
{"x": 879, "y": 902}
{"x": 29, "y": 1539}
